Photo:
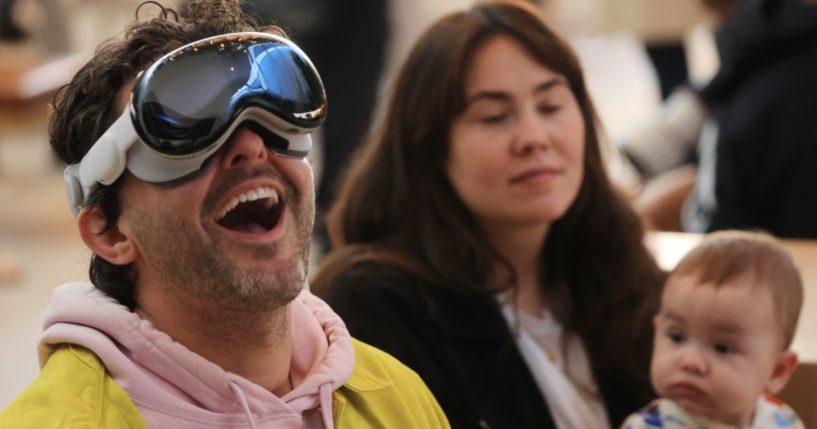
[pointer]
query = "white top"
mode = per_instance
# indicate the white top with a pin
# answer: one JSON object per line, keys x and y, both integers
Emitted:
{"x": 562, "y": 373}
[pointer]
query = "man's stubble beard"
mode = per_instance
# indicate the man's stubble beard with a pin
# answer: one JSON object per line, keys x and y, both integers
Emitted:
{"x": 200, "y": 269}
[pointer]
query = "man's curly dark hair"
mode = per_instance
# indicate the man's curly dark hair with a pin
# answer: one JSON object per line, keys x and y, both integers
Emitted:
{"x": 85, "y": 107}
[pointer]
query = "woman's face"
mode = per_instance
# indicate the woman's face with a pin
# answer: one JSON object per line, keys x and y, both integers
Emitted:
{"x": 516, "y": 155}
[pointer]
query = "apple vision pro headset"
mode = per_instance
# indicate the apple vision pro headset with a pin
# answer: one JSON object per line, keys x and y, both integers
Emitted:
{"x": 186, "y": 105}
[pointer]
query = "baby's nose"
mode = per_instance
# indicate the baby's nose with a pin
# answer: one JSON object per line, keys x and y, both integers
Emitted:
{"x": 694, "y": 361}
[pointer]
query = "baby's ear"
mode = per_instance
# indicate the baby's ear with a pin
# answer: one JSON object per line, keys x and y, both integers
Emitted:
{"x": 784, "y": 367}
{"x": 655, "y": 320}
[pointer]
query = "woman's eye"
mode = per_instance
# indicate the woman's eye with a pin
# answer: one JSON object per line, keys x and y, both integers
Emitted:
{"x": 723, "y": 348}
{"x": 550, "y": 108}
{"x": 493, "y": 119}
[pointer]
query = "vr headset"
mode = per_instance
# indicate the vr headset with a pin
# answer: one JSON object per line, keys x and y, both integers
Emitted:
{"x": 186, "y": 105}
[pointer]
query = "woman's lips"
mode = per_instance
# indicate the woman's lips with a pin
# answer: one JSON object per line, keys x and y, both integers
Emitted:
{"x": 541, "y": 174}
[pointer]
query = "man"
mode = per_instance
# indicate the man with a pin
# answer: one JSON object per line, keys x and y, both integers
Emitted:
{"x": 188, "y": 179}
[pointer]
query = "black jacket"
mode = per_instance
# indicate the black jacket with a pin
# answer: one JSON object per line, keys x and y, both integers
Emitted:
{"x": 764, "y": 103}
{"x": 461, "y": 347}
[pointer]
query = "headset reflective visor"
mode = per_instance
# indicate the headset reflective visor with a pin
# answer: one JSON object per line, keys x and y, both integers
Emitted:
{"x": 186, "y": 105}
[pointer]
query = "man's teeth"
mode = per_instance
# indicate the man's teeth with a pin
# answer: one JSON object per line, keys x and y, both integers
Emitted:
{"x": 253, "y": 195}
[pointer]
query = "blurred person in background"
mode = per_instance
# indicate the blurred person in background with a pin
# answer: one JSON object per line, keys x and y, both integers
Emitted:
{"x": 186, "y": 143}
{"x": 9, "y": 30}
{"x": 479, "y": 240}
{"x": 663, "y": 149}
{"x": 751, "y": 127}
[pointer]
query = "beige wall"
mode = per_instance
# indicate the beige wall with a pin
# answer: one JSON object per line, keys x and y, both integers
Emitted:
{"x": 652, "y": 20}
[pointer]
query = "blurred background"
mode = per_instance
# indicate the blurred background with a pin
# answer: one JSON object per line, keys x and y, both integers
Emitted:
{"x": 634, "y": 52}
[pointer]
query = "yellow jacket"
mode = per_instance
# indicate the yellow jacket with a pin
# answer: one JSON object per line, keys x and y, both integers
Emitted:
{"x": 74, "y": 390}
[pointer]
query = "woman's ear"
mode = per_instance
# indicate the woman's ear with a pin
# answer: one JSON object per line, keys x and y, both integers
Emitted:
{"x": 110, "y": 244}
{"x": 784, "y": 367}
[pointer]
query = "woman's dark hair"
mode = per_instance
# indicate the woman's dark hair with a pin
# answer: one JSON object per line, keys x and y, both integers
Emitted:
{"x": 85, "y": 107}
{"x": 396, "y": 204}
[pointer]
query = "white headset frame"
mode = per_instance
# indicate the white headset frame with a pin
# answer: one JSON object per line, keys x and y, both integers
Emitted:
{"x": 120, "y": 147}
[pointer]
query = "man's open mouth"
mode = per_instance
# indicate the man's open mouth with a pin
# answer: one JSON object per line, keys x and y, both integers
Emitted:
{"x": 255, "y": 211}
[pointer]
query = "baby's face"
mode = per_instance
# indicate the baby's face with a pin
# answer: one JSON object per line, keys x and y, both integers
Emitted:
{"x": 716, "y": 348}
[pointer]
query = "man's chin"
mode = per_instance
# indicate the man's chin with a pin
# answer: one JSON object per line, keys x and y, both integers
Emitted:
{"x": 256, "y": 301}
{"x": 248, "y": 287}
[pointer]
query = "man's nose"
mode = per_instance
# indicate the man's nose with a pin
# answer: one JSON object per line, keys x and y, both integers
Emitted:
{"x": 244, "y": 147}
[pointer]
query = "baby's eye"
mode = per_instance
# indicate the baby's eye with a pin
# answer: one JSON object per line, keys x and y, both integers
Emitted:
{"x": 676, "y": 337}
{"x": 723, "y": 348}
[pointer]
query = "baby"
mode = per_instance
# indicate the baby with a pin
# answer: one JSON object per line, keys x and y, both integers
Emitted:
{"x": 728, "y": 314}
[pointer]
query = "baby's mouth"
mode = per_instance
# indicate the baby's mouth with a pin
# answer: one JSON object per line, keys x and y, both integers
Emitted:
{"x": 255, "y": 211}
{"x": 686, "y": 390}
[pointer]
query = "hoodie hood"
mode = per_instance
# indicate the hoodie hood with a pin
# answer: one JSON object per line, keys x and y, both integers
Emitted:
{"x": 175, "y": 387}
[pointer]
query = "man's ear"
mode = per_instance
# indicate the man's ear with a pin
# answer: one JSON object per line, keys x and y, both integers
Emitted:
{"x": 784, "y": 367}
{"x": 112, "y": 244}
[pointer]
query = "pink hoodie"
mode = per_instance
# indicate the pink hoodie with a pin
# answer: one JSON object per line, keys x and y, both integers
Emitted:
{"x": 174, "y": 387}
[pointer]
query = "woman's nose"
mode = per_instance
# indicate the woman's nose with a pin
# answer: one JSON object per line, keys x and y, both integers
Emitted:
{"x": 244, "y": 147}
{"x": 531, "y": 134}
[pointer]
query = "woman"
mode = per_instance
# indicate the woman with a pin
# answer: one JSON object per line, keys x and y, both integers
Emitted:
{"x": 479, "y": 240}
